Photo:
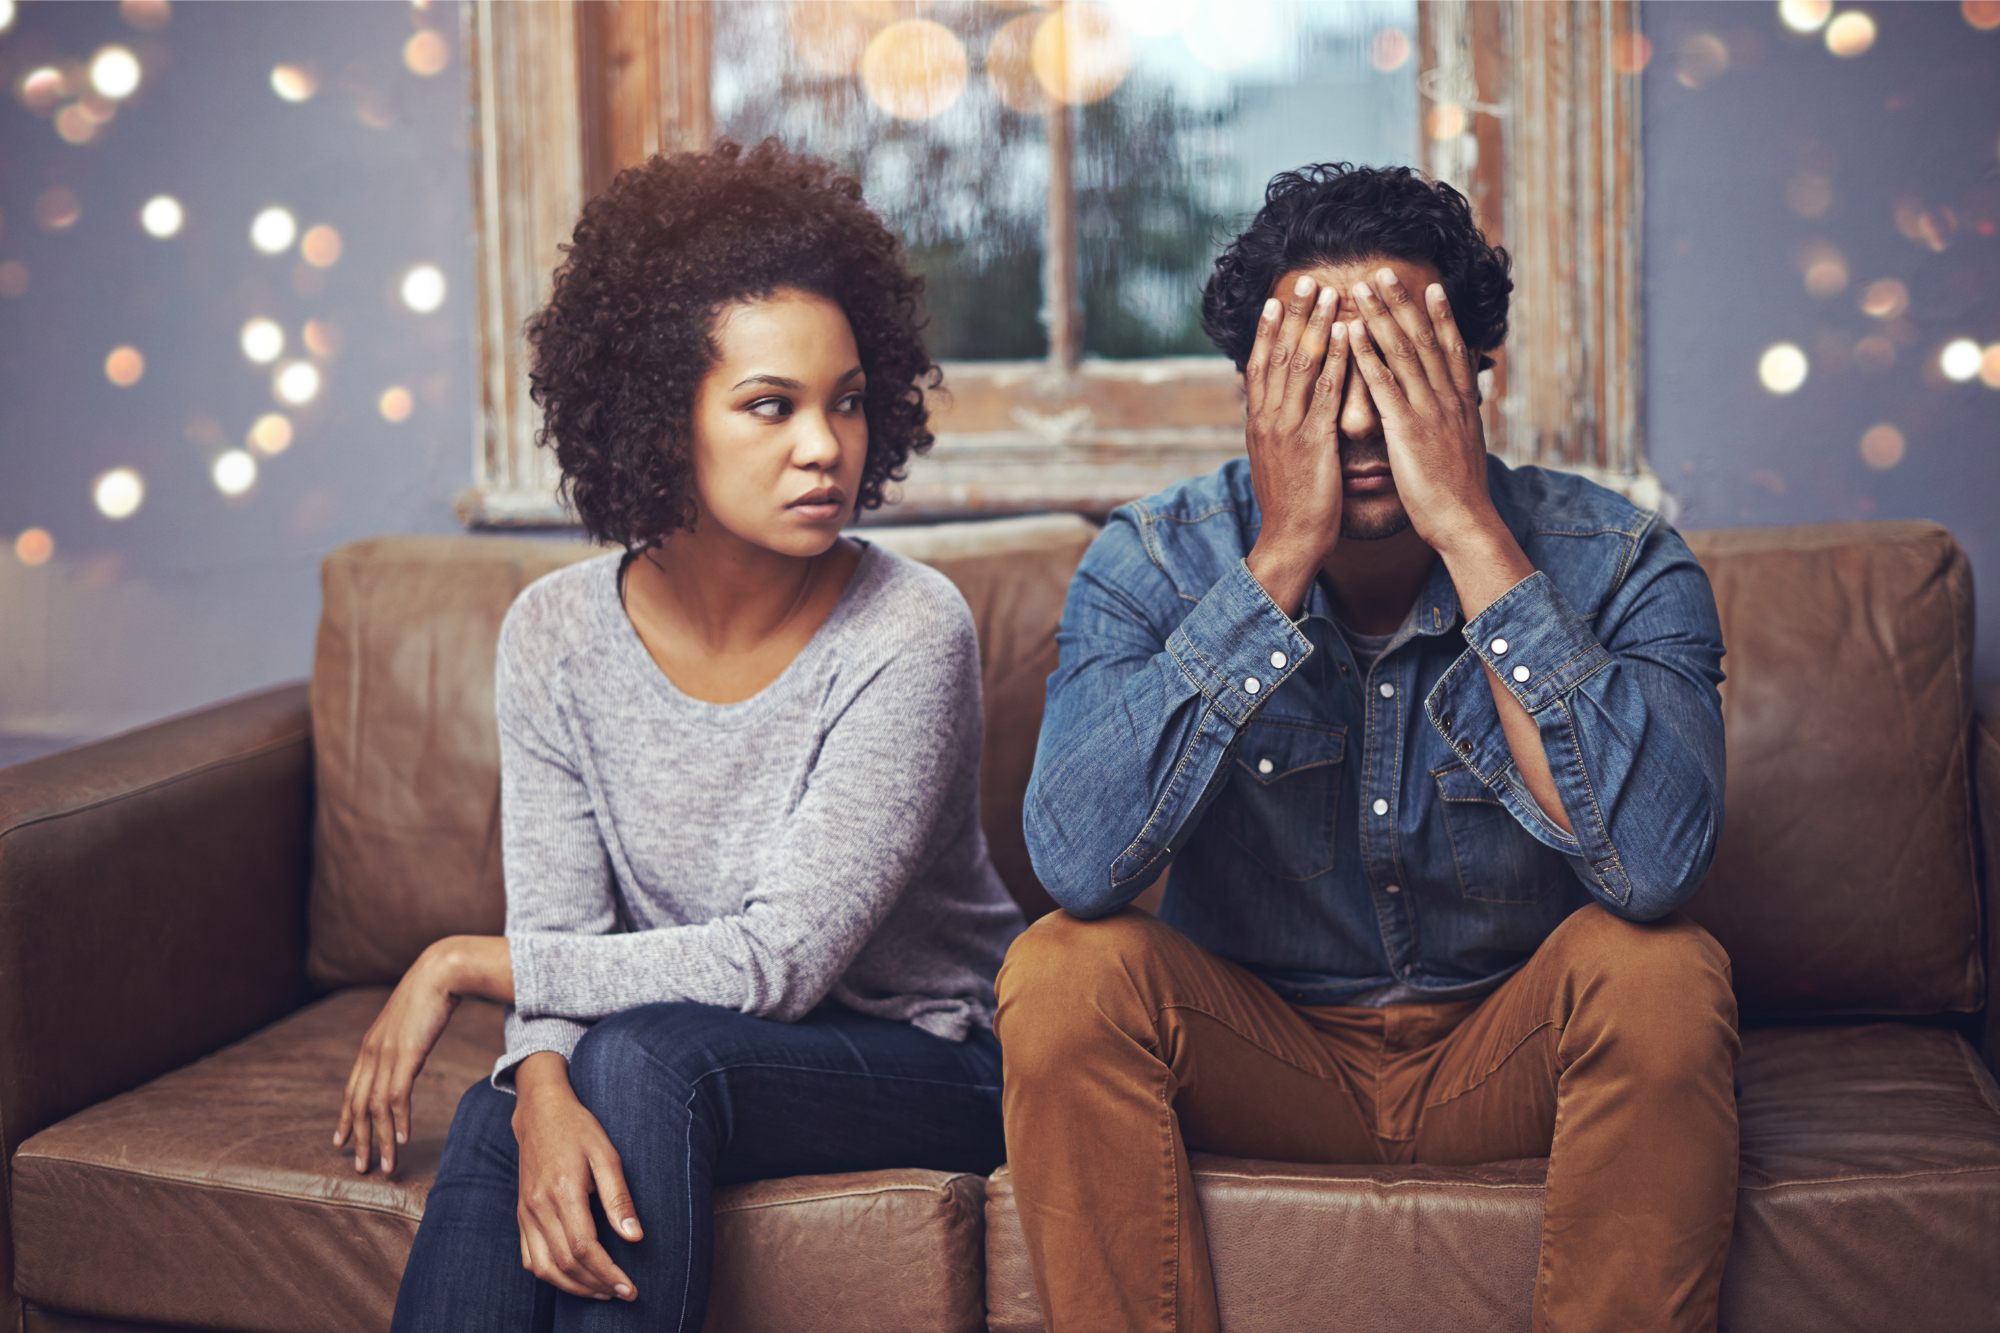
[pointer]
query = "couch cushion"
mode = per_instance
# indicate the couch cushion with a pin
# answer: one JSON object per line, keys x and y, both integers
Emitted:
{"x": 1844, "y": 879}
{"x": 407, "y": 843}
{"x": 214, "y": 1198}
{"x": 1869, "y": 1199}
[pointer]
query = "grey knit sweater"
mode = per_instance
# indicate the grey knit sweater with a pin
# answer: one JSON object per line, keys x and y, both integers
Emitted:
{"x": 819, "y": 840}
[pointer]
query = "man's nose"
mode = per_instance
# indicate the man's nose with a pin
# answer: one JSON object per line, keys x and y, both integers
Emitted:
{"x": 1357, "y": 410}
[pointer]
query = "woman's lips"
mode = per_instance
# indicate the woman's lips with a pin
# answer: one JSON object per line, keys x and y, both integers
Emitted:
{"x": 817, "y": 504}
{"x": 1368, "y": 483}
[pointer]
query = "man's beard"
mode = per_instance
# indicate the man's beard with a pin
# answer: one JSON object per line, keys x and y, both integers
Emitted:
{"x": 1379, "y": 527}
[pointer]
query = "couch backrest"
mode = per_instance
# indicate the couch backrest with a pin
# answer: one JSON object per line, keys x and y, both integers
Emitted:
{"x": 1843, "y": 884}
{"x": 406, "y": 847}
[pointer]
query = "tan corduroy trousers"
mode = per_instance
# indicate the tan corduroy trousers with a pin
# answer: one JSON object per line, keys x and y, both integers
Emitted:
{"x": 1611, "y": 1052}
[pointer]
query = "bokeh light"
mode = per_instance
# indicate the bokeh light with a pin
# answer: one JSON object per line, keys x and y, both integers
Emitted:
{"x": 1782, "y": 368}
{"x": 13, "y": 278}
{"x": 34, "y": 547}
{"x": 162, "y": 216}
{"x": 1882, "y": 447}
{"x": 1823, "y": 267}
{"x": 1989, "y": 367}
{"x": 57, "y": 207}
{"x": 1850, "y": 34}
{"x": 41, "y": 88}
{"x": 147, "y": 14}
{"x": 321, "y": 246}
{"x": 1960, "y": 359}
{"x": 829, "y": 35}
{"x": 914, "y": 69}
{"x": 271, "y": 434}
{"x": 1885, "y": 298}
{"x": 1080, "y": 54}
{"x": 233, "y": 472}
{"x": 6, "y": 14}
{"x": 1809, "y": 194}
{"x": 1230, "y": 37}
{"x": 1933, "y": 227}
{"x": 118, "y": 493}
{"x": 1389, "y": 49}
{"x": 1631, "y": 52}
{"x": 75, "y": 124}
{"x": 1010, "y": 66}
{"x": 423, "y": 288}
{"x": 114, "y": 72}
{"x": 1875, "y": 352}
{"x": 1446, "y": 121}
{"x": 296, "y": 383}
{"x": 1155, "y": 18}
{"x": 273, "y": 230}
{"x": 426, "y": 53}
{"x": 294, "y": 83}
{"x": 1700, "y": 59}
{"x": 124, "y": 367}
{"x": 262, "y": 340}
{"x": 321, "y": 337}
{"x": 1805, "y": 15}
{"x": 396, "y": 403}
{"x": 1981, "y": 14}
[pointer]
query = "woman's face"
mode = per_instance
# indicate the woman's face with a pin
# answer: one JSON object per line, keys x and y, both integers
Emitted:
{"x": 779, "y": 431}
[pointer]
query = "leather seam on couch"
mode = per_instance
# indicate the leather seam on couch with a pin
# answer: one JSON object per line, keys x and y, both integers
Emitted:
{"x": 112, "y": 798}
{"x": 791, "y": 1200}
{"x": 1872, "y": 1176}
{"x": 195, "y": 1182}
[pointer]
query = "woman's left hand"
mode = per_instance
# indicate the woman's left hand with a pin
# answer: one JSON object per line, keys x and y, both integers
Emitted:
{"x": 376, "y": 1107}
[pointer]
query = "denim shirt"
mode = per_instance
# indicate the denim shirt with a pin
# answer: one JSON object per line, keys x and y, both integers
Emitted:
{"x": 1365, "y": 837}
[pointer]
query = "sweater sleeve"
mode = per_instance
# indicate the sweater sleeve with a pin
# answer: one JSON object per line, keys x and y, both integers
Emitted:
{"x": 903, "y": 715}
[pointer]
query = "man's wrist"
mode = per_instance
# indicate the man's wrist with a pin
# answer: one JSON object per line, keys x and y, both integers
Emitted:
{"x": 1483, "y": 559}
{"x": 1285, "y": 572}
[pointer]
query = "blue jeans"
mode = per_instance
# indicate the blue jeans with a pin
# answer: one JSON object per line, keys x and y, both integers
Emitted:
{"x": 693, "y": 1096}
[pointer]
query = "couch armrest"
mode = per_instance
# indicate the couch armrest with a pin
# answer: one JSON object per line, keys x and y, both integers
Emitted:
{"x": 1986, "y": 796}
{"x": 152, "y": 906}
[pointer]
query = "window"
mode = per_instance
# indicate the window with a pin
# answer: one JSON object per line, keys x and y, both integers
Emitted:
{"x": 1064, "y": 175}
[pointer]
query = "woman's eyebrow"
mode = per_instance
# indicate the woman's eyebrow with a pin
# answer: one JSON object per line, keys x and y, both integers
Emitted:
{"x": 781, "y": 382}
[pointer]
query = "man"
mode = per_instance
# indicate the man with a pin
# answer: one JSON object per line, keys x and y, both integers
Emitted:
{"x": 1435, "y": 752}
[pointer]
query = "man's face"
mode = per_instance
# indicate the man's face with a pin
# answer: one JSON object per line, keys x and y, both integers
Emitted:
{"x": 1370, "y": 508}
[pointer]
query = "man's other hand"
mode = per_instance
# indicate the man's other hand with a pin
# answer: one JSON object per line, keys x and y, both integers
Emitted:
{"x": 1420, "y": 376}
{"x": 1293, "y": 382}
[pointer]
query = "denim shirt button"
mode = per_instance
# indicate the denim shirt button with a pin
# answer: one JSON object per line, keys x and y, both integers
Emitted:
{"x": 1388, "y": 690}
{"x": 1394, "y": 888}
{"x": 1265, "y": 766}
{"x": 1521, "y": 674}
{"x": 1499, "y": 647}
{"x": 1381, "y": 807}
{"x": 1278, "y": 661}
{"x": 1464, "y": 746}
{"x": 1251, "y": 685}
{"x": 1444, "y": 724}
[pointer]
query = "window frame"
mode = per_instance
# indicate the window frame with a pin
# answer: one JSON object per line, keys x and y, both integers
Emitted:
{"x": 567, "y": 91}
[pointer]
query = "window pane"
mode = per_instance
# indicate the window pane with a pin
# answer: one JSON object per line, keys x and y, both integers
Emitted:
{"x": 939, "y": 113}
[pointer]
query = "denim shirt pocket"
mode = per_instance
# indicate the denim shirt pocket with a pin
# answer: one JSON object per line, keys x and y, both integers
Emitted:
{"x": 1498, "y": 861}
{"x": 1281, "y": 796}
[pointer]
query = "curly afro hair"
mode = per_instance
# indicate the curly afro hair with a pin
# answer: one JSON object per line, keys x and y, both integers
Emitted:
{"x": 1334, "y": 213}
{"x": 627, "y": 336}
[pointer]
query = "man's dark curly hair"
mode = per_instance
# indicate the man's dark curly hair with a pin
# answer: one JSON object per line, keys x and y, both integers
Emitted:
{"x": 628, "y": 333}
{"x": 1334, "y": 213}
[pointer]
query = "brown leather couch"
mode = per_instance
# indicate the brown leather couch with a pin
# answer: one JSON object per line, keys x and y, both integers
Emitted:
{"x": 197, "y": 920}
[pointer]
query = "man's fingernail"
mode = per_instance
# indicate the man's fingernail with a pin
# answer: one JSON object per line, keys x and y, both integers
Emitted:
{"x": 1326, "y": 295}
{"x": 1387, "y": 277}
{"x": 1271, "y": 308}
{"x": 1361, "y": 292}
{"x": 1302, "y": 286}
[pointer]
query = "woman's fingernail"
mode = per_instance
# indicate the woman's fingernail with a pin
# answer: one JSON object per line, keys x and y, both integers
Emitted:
{"x": 337, "y": 1137}
{"x": 402, "y": 1136}
{"x": 624, "y": 1291}
{"x": 1271, "y": 308}
{"x": 385, "y": 1161}
{"x": 602, "y": 1295}
{"x": 630, "y": 1226}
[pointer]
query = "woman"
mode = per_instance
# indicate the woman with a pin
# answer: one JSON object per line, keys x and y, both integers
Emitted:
{"x": 751, "y": 923}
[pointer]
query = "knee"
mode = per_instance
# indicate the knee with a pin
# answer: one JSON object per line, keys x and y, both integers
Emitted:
{"x": 482, "y": 1133}
{"x": 655, "y": 1048}
{"x": 1063, "y": 971}
{"x": 1669, "y": 967}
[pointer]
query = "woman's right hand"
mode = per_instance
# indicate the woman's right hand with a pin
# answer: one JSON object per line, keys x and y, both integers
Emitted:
{"x": 565, "y": 1158}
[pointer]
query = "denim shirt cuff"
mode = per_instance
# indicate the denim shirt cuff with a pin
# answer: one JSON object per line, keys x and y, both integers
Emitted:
{"x": 1238, "y": 645}
{"x": 1537, "y": 645}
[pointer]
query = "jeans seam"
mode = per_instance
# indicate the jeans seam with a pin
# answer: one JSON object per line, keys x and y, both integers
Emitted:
{"x": 1495, "y": 1068}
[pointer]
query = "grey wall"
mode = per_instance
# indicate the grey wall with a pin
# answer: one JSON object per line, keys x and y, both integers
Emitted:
{"x": 198, "y": 596}
{"x": 1914, "y": 121}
